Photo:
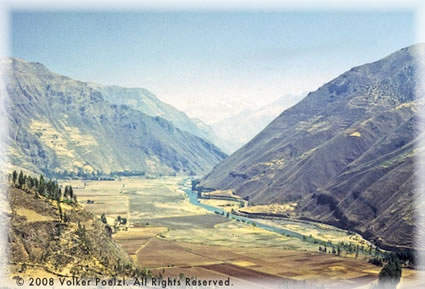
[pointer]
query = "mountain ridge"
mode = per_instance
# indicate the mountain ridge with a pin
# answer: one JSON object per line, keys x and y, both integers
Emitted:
{"x": 364, "y": 119}
{"x": 62, "y": 126}
{"x": 145, "y": 101}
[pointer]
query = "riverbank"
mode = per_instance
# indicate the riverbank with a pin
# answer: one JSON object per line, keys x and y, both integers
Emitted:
{"x": 326, "y": 237}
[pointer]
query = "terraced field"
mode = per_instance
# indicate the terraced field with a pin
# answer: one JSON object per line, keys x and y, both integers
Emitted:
{"x": 172, "y": 237}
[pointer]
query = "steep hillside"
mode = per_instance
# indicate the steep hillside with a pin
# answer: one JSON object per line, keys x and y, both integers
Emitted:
{"x": 46, "y": 241}
{"x": 145, "y": 101}
{"x": 59, "y": 125}
{"x": 345, "y": 153}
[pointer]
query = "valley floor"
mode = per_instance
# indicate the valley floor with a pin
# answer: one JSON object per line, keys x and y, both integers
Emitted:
{"x": 171, "y": 237}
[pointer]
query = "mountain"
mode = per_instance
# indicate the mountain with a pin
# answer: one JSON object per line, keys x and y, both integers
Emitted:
{"x": 345, "y": 153}
{"x": 145, "y": 101}
{"x": 58, "y": 125}
{"x": 235, "y": 131}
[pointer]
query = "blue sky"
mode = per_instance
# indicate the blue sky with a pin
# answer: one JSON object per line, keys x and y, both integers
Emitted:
{"x": 209, "y": 64}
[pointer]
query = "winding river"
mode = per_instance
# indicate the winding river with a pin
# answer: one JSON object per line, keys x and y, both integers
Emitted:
{"x": 193, "y": 198}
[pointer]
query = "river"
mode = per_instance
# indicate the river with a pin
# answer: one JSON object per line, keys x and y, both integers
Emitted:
{"x": 193, "y": 198}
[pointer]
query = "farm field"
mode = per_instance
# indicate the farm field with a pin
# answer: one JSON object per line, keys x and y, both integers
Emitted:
{"x": 170, "y": 236}
{"x": 224, "y": 204}
{"x": 320, "y": 231}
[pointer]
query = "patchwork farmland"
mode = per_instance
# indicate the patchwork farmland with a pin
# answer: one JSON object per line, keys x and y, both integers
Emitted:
{"x": 171, "y": 237}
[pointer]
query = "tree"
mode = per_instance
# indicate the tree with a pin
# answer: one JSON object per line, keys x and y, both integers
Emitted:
{"x": 30, "y": 182}
{"x": 103, "y": 218}
{"x": 375, "y": 261}
{"x": 66, "y": 192}
{"x": 390, "y": 275}
{"x": 41, "y": 188}
{"x": 49, "y": 188}
{"x": 108, "y": 231}
{"x": 71, "y": 193}
{"x": 21, "y": 180}
{"x": 60, "y": 210}
{"x": 59, "y": 194}
{"x": 14, "y": 177}
{"x": 41, "y": 185}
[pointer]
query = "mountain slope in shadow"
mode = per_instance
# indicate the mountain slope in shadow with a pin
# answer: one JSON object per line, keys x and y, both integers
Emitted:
{"x": 345, "y": 154}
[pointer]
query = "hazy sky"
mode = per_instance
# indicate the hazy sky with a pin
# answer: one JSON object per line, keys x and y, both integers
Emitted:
{"x": 209, "y": 64}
